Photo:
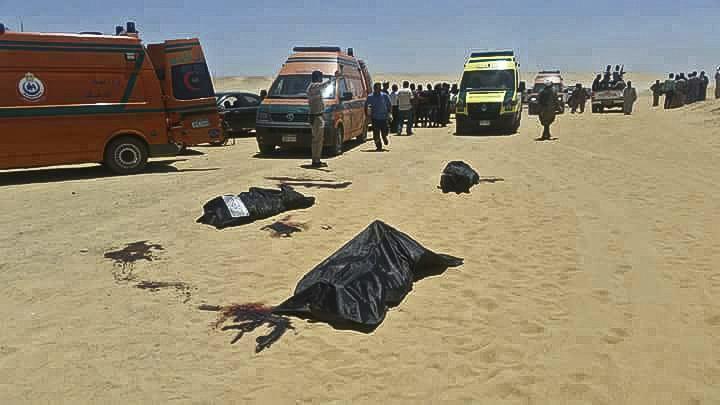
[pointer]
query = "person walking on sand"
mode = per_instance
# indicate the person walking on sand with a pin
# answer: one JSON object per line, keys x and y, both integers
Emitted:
{"x": 405, "y": 109}
{"x": 380, "y": 107}
{"x": 547, "y": 100}
{"x": 317, "y": 108}
{"x": 669, "y": 90}
{"x": 629, "y": 98}
{"x": 656, "y": 89}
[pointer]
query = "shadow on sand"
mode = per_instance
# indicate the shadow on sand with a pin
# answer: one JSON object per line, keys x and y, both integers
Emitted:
{"x": 304, "y": 153}
{"x": 32, "y": 176}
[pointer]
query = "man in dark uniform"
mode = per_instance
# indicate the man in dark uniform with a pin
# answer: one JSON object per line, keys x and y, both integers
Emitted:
{"x": 704, "y": 83}
{"x": 547, "y": 101}
{"x": 656, "y": 89}
{"x": 596, "y": 83}
{"x": 579, "y": 99}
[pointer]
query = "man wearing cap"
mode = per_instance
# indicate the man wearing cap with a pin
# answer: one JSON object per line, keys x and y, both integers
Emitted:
{"x": 547, "y": 100}
{"x": 317, "y": 108}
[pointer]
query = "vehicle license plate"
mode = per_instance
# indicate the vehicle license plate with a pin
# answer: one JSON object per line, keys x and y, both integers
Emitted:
{"x": 289, "y": 138}
{"x": 484, "y": 123}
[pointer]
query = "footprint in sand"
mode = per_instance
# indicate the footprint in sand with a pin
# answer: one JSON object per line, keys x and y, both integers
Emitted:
{"x": 532, "y": 328}
{"x": 713, "y": 320}
{"x": 602, "y": 295}
{"x": 616, "y": 335}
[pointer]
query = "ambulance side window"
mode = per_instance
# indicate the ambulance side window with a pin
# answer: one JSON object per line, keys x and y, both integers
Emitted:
{"x": 191, "y": 82}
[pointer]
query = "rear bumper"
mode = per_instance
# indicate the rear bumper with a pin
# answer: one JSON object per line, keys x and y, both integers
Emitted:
{"x": 282, "y": 136}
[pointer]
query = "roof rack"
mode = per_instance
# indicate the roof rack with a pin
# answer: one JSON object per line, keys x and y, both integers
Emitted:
{"x": 317, "y": 49}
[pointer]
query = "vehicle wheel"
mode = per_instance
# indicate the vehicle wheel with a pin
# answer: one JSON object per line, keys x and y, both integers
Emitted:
{"x": 337, "y": 148}
{"x": 515, "y": 125}
{"x": 460, "y": 127}
{"x": 223, "y": 140}
{"x": 266, "y": 148}
{"x": 126, "y": 155}
{"x": 594, "y": 109}
{"x": 601, "y": 109}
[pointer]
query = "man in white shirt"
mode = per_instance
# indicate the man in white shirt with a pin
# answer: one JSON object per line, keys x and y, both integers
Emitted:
{"x": 405, "y": 109}
{"x": 394, "y": 103}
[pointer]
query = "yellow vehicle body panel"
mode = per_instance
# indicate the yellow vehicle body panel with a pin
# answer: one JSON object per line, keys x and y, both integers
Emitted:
{"x": 485, "y": 97}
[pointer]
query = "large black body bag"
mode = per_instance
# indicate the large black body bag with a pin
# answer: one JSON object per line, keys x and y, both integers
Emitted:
{"x": 358, "y": 283}
{"x": 458, "y": 177}
{"x": 257, "y": 203}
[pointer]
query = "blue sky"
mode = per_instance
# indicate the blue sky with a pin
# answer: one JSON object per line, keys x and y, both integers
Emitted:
{"x": 253, "y": 37}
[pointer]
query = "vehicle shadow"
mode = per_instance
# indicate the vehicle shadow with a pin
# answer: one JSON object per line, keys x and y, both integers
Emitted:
{"x": 53, "y": 175}
{"x": 486, "y": 132}
{"x": 304, "y": 153}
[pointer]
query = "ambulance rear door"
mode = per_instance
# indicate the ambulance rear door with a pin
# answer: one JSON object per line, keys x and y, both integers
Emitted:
{"x": 188, "y": 91}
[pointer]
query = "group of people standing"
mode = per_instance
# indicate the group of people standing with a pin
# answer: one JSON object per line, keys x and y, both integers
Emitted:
{"x": 680, "y": 90}
{"x": 430, "y": 106}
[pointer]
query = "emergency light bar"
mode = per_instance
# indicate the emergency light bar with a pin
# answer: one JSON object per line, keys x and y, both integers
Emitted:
{"x": 317, "y": 49}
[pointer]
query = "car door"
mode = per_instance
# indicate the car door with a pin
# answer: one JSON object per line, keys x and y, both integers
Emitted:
{"x": 247, "y": 112}
{"x": 345, "y": 108}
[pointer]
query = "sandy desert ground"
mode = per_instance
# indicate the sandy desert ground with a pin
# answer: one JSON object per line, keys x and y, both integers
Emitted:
{"x": 591, "y": 273}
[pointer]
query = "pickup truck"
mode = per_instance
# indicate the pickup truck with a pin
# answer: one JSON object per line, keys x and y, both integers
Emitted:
{"x": 603, "y": 99}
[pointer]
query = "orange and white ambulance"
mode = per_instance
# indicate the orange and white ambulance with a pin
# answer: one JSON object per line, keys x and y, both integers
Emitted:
{"x": 84, "y": 98}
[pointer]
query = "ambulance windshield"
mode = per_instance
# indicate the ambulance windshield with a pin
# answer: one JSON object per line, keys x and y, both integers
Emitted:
{"x": 488, "y": 80}
{"x": 295, "y": 86}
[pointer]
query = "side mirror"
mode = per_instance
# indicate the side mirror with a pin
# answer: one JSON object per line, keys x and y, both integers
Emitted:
{"x": 522, "y": 87}
{"x": 347, "y": 96}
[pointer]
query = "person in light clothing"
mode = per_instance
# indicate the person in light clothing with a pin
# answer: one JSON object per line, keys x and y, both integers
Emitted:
{"x": 317, "y": 108}
{"x": 405, "y": 109}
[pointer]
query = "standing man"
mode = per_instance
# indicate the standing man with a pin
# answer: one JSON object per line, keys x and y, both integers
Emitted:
{"x": 405, "y": 109}
{"x": 629, "y": 98}
{"x": 704, "y": 82}
{"x": 386, "y": 87}
{"x": 717, "y": 83}
{"x": 394, "y": 103}
{"x": 317, "y": 108}
{"x": 681, "y": 90}
{"x": 579, "y": 99}
{"x": 547, "y": 100}
{"x": 596, "y": 83}
{"x": 263, "y": 94}
{"x": 669, "y": 90}
{"x": 380, "y": 107}
{"x": 656, "y": 89}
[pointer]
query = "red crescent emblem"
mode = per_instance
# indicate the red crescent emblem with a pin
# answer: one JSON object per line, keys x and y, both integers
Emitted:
{"x": 186, "y": 81}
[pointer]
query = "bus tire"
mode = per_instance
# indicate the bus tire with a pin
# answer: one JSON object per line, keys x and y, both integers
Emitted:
{"x": 126, "y": 155}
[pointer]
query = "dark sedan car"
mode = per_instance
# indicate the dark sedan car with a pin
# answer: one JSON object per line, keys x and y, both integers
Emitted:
{"x": 238, "y": 111}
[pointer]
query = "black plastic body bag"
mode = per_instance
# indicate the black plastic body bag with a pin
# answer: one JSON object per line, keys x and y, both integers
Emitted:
{"x": 257, "y": 203}
{"x": 358, "y": 283}
{"x": 458, "y": 177}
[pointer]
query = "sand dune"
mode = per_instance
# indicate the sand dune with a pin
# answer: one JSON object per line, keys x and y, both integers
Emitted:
{"x": 591, "y": 273}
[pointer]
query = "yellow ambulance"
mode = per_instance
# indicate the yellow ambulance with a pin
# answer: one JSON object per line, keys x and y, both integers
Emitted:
{"x": 490, "y": 93}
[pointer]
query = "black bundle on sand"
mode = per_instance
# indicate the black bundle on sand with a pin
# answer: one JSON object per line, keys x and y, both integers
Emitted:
{"x": 458, "y": 177}
{"x": 356, "y": 285}
{"x": 257, "y": 203}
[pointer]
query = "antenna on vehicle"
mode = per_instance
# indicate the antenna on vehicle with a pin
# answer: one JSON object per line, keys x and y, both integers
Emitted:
{"x": 22, "y": 25}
